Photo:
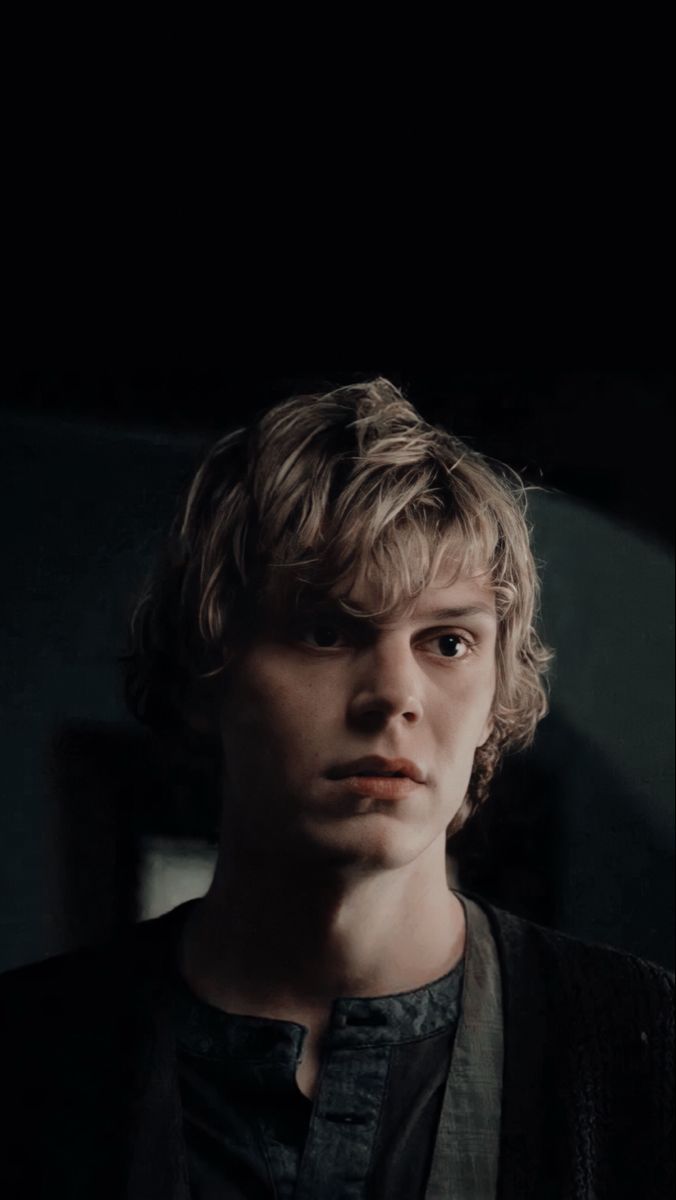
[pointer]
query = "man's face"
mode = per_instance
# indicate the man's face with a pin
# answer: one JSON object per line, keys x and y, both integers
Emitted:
{"x": 308, "y": 702}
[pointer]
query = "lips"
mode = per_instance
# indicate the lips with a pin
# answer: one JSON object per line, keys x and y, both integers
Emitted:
{"x": 374, "y": 766}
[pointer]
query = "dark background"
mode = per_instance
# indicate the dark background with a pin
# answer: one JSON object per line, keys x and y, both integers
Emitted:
{"x": 579, "y": 831}
{"x": 603, "y": 436}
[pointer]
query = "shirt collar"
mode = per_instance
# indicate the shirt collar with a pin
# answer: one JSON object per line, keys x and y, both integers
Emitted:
{"x": 206, "y": 1031}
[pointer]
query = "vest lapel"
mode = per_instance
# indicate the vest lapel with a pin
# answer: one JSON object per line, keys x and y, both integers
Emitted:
{"x": 532, "y": 1133}
{"x": 466, "y": 1155}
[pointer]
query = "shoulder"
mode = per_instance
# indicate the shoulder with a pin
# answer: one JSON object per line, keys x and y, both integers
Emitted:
{"x": 516, "y": 934}
{"x": 67, "y": 986}
{"x": 591, "y": 977}
{"x": 589, "y": 1052}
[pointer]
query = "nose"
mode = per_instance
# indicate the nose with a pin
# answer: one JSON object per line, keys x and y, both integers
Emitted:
{"x": 388, "y": 685}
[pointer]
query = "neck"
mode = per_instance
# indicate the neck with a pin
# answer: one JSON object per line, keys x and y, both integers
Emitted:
{"x": 276, "y": 943}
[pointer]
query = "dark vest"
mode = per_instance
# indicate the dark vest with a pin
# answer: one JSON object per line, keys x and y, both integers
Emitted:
{"x": 560, "y": 1086}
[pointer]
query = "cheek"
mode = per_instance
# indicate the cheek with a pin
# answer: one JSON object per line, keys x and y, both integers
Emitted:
{"x": 271, "y": 701}
{"x": 463, "y": 711}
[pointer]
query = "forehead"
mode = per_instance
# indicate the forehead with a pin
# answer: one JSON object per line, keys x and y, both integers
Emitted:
{"x": 406, "y": 575}
{"x": 451, "y": 591}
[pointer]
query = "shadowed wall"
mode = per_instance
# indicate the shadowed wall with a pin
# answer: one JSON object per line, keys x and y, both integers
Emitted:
{"x": 578, "y": 834}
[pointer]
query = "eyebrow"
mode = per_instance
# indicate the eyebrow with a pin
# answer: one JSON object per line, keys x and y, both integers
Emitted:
{"x": 330, "y": 608}
{"x": 452, "y": 614}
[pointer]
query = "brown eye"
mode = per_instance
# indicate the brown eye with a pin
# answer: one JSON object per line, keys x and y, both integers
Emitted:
{"x": 321, "y": 634}
{"x": 325, "y": 635}
{"x": 451, "y": 645}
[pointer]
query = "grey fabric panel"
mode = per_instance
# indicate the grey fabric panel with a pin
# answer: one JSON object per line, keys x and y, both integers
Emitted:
{"x": 466, "y": 1155}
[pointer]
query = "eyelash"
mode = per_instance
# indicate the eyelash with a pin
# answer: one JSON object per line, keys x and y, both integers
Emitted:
{"x": 465, "y": 641}
{"x": 469, "y": 645}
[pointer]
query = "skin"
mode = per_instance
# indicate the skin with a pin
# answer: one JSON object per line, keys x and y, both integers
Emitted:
{"x": 318, "y": 892}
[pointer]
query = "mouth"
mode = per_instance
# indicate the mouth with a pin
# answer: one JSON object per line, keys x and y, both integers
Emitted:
{"x": 376, "y": 767}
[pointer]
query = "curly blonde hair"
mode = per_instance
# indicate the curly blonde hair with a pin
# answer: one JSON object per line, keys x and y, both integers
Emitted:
{"x": 319, "y": 491}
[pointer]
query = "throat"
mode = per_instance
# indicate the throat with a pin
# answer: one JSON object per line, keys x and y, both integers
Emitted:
{"x": 307, "y": 1071}
{"x": 295, "y": 950}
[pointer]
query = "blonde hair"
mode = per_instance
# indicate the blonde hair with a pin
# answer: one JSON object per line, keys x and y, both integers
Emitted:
{"x": 319, "y": 491}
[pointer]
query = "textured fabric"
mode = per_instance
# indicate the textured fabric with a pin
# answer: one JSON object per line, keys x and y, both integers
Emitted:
{"x": 466, "y": 1155}
{"x": 588, "y": 1086}
{"x": 249, "y": 1130}
{"x": 88, "y": 1067}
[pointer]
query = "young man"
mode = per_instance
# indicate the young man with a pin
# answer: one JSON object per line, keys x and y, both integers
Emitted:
{"x": 344, "y": 618}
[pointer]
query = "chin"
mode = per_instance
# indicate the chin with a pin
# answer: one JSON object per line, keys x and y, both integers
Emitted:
{"x": 374, "y": 840}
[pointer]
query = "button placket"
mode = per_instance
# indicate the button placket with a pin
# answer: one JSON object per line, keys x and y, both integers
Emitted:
{"x": 340, "y": 1141}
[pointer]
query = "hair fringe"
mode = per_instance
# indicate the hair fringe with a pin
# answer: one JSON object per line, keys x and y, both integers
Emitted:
{"x": 319, "y": 491}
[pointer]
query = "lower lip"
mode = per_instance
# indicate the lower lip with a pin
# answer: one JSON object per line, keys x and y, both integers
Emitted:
{"x": 384, "y": 787}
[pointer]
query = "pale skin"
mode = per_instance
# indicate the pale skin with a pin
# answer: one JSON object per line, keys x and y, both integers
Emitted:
{"x": 318, "y": 892}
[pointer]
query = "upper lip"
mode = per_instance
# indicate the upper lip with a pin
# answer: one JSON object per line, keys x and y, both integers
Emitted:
{"x": 378, "y": 765}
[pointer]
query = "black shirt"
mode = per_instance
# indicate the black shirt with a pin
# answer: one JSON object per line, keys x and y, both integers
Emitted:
{"x": 250, "y": 1132}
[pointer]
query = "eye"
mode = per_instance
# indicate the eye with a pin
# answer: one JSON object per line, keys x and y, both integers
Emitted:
{"x": 324, "y": 635}
{"x": 451, "y": 645}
